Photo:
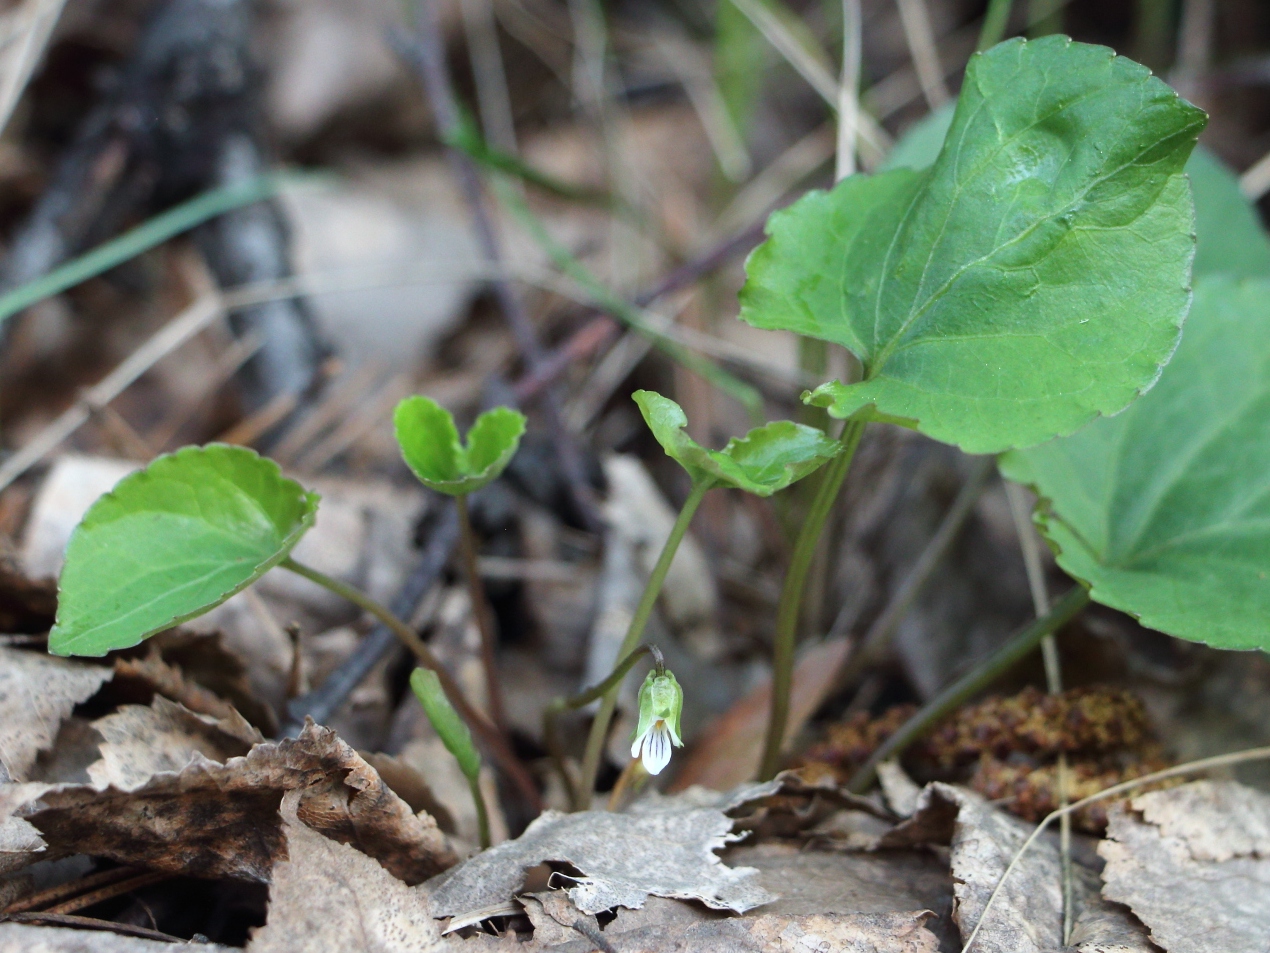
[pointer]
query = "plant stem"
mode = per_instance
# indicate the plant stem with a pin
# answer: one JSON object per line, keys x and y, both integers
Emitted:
{"x": 972, "y": 682}
{"x": 787, "y": 609}
{"x": 560, "y": 705}
{"x": 599, "y": 727}
{"x": 481, "y": 612}
{"x": 493, "y": 739}
{"x": 995, "y": 22}
{"x": 482, "y": 814}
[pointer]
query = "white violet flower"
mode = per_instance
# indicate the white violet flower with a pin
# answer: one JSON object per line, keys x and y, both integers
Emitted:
{"x": 661, "y": 701}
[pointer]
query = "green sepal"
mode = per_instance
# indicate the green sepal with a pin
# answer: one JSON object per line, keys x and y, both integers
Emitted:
{"x": 172, "y": 541}
{"x": 660, "y": 699}
{"x": 764, "y": 461}
{"x": 430, "y": 445}
{"x": 452, "y": 730}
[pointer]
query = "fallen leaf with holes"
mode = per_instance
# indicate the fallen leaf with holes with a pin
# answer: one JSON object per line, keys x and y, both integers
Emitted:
{"x": 21, "y": 938}
{"x": 1194, "y": 864}
{"x": 327, "y": 896}
{"x": 1027, "y": 914}
{"x": 623, "y": 858}
{"x": 37, "y": 692}
{"x": 212, "y": 819}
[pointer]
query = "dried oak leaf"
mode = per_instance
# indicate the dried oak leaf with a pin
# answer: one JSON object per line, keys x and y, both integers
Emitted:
{"x": 37, "y": 691}
{"x": 622, "y": 858}
{"x": 1194, "y": 864}
{"x": 1027, "y": 915}
{"x": 215, "y": 819}
{"x": 327, "y": 896}
{"x": 22, "y": 938}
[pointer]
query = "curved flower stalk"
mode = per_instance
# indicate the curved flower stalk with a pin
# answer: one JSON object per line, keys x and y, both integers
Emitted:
{"x": 764, "y": 461}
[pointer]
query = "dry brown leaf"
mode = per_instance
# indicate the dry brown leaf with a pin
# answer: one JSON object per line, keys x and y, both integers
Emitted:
{"x": 22, "y": 938}
{"x": 1194, "y": 864}
{"x": 327, "y": 896}
{"x": 729, "y": 751}
{"x": 623, "y": 858}
{"x": 670, "y": 926}
{"x": 37, "y": 691}
{"x": 169, "y": 681}
{"x": 220, "y": 820}
{"x": 1027, "y": 915}
{"x": 142, "y": 741}
{"x": 20, "y": 842}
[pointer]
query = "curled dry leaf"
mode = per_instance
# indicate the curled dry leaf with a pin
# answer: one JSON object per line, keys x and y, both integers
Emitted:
{"x": 142, "y": 741}
{"x": 36, "y": 693}
{"x": 21, "y": 938}
{"x": 327, "y": 896}
{"x": 623, "y": 859}
{"x": 213, "y": 819}
{"x": 1194, "y": 864}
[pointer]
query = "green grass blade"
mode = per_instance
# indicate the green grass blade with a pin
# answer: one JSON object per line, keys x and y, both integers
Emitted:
{"x": 145, "y": 236}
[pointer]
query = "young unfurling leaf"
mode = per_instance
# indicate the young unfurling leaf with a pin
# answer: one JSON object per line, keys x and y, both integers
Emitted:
{"x": 171, "y": 542}
{"x": 765, "y": 460}
{"x": 431, "y": 446}
{"x": 1034, "y": 277}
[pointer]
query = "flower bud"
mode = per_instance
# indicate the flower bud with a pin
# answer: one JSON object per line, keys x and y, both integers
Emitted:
{"x": 661, "y": 702}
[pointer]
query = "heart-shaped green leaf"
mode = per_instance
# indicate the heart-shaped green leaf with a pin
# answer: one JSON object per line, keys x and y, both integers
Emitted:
{"x": 430, "y": 444}
{"x": 1164, "y": 510}
{"x": 764, "y": 461}
{"x": 1034, "y": 277}
{"x": 172, "y": 541}
{"x": 1229, "y": 236}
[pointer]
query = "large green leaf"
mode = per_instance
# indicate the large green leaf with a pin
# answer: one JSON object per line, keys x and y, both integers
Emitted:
{"x": 765, "y": 460}
{"x": 173, "y": 541}
{"x": 1231, "y": 239}
{"x": 1164, "y": 510}
{"x": 1034, "y": 277}
{"x": 431, "y": 447}
{"x": 1229, "y": 236}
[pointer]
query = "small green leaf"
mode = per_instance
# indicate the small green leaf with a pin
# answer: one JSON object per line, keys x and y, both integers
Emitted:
{"x": 764, "y": 461}
{"x": 430, "y": 444}
{"x": 1164, "y": 510}
{"x": 1034, "y": 277}
{"x": 445, "y": 720}
{"x": 171, "y": 542}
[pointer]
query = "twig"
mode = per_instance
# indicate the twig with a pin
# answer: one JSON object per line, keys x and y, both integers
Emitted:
{"x": 61, "y": 892}
{"x": 967, "y": 686}
{"x": 427, "y": 56}
{"x": 322, "y": 702}
{"x": 20, "y": 59}
{"x": 481, "y": 613}
{"x": 175, "y": 333}
{"x": 915, "y": 19}
{"x": 1256, "y": 181}
{"x": 1191, "y": 767}
{"x": 92, "y": 923}
{"x": 849, "y": 89}
{"x": 109, "y": 892}
{"x": 1053, "y": 681}
{"x": 495, "y": 743}
{"x": 886, "y": 624}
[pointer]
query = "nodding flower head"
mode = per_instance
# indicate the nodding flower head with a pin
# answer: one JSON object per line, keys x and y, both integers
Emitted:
{"x": 661, "y": 701}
